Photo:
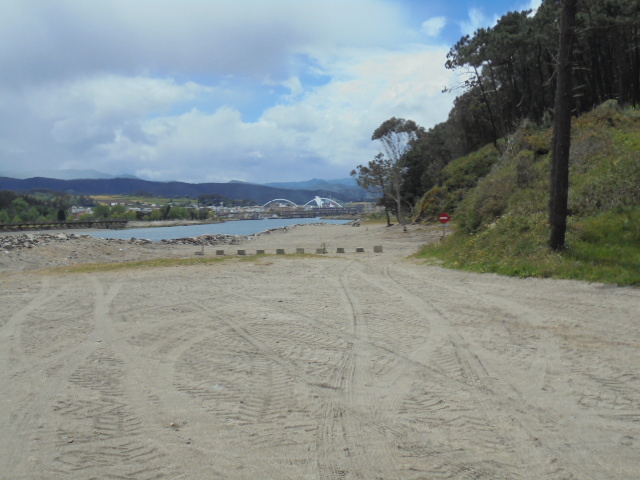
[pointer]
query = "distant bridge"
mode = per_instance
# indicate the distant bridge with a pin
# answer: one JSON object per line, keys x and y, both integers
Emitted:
{"x": 322, "y": 202}
{"x": 317, "y": 207}
{"x": 319, "y": 202}
{"x": 281, "y": 200}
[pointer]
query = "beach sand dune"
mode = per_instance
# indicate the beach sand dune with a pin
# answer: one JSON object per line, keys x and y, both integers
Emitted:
{"x": 334, "y": 366}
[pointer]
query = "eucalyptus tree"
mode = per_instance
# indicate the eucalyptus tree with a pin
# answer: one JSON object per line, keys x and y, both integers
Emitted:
{"x": 397, "y": 137}
{"x": 426, "y": 158}
{"x": 374, "y": 178}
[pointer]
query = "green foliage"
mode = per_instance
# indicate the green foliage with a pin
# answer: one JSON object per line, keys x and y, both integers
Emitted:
{"x": 464, "y": 172}
{"x": 607, "y": 246}
{"x": 155, "y": 215}
{"x": 502, "y": 223}
{"x": 211, "y": 199}
{"x": 178, "y": 213}
{"x": 457, "y": 178}
{"x": 101, "y": 212}
{"x": 510, "y": 70}
{"x": 510, "y": 82}
{"x": 433, "y": 203}
{"x": 42, "y": 206}
{"x": 604, "y": 166}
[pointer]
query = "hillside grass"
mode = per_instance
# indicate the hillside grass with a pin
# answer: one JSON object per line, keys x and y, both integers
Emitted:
{"x": 501, "y": 225}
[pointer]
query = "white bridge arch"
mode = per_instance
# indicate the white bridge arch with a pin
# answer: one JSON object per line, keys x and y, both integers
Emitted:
{"x": 322, "y": 202}
{"x": 281, "y": 200}
{"x": 316, "y": 202}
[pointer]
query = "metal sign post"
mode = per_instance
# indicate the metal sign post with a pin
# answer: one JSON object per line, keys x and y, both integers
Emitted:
{"x": 444, "y": 219}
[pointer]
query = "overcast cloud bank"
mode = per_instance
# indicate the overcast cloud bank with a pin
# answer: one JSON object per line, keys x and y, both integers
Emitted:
{"x": 216, "y": 90}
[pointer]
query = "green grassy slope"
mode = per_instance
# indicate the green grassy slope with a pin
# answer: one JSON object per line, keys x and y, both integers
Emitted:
{"x": 501, "y": 216}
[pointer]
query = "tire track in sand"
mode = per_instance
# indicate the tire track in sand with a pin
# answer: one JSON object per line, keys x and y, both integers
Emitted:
{"x": 348, "y": 447}
{"x": 25, "y": 420}
{"x": 425, "y": 381}
{"x": 499, "y": 407}
{"x": 349, "y": 444}
{"x": 97, "y": 430}
{"x": 554, "y": 337}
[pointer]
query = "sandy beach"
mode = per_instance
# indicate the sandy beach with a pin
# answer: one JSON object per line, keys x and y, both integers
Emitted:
{"x": 316, "y": 366}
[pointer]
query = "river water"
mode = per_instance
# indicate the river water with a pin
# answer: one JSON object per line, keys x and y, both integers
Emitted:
{"x": 239, "y": 227}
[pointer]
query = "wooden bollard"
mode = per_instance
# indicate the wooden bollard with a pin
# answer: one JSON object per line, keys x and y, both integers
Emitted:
{"x": 242, "y": 252}
{"x": 340, "y": 250}
{"x": 359, "y": 250}
{"x": 280, "y": 251}
{"x": 377, "y": 249}
{"x": 219, "y": 252}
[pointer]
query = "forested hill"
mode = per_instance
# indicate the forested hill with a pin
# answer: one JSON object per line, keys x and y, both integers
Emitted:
{"x": 500, "y": 203}
{"x": 259, "y": 194}
{"x": 510, "y": 79}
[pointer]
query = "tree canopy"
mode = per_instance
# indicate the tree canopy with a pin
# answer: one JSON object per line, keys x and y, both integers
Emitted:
{"x": 510, "y": 78}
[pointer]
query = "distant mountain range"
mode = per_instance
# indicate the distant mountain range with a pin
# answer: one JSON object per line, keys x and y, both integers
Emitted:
{"x": 297, "y": 192}
{"x": 346, "y": 186}
{"x": 64, "y": 174}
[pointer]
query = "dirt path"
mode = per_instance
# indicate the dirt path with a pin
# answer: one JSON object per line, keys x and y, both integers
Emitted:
{"x": 338, "y": 366}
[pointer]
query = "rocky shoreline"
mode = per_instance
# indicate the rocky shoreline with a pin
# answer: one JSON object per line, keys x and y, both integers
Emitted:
{"x": 34, "y": 250}
{"x": 31, "y": 240}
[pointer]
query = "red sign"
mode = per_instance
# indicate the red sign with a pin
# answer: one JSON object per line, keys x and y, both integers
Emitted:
{"x": 444, "y": 217}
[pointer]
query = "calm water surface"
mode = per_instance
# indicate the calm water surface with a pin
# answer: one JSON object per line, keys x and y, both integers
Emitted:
{"x": 240, "y": 227}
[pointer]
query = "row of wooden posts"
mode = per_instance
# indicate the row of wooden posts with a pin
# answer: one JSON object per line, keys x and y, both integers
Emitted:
{"x": 281, "y": 251}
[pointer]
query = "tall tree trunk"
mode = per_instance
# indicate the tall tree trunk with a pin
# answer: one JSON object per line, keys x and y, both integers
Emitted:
{"x": 398, "y": 198}
{"x": 401, "y": 219}
{"x": 558, "y": 208}
{"x": 636, "y": 68}
{"x": 386, "y": 208}
{"x": 494, "y": 131}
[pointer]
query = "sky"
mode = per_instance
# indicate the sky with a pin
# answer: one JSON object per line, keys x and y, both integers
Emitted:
{"x": 220, "y": 90}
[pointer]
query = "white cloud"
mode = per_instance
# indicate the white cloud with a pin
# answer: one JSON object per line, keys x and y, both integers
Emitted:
{"x": 40, "y": 40}
{"x": 325, "y": 133}
{"x": 163, "y": 92}
{"x": 434, "y": 26}
{"x": 89, "y": 109}
{"x": 477, "y": 19}
{"x": 328, "y": 130}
